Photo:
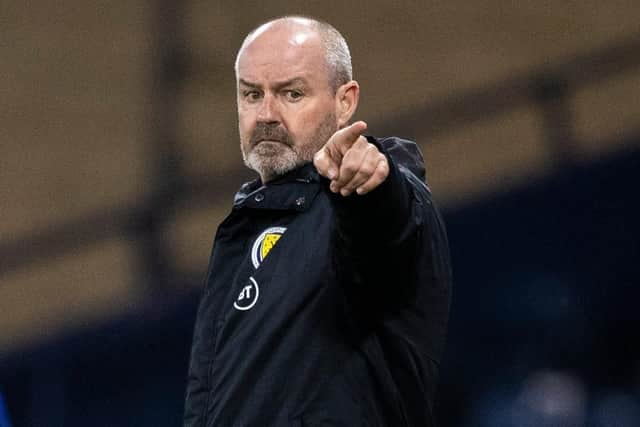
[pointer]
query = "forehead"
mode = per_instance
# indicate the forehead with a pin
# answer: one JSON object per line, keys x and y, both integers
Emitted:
{"x": 280, "y": 53}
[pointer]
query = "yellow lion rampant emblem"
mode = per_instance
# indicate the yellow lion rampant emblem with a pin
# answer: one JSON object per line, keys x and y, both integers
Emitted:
{"x": 264, "y": 243}
{"x": 269, "y": 242}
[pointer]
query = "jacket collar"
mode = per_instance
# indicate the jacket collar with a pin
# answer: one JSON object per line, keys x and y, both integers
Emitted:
{"x": 294, "y": 190}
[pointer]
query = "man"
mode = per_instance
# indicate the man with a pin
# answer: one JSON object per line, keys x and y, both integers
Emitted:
{"x": 327, "y": 295}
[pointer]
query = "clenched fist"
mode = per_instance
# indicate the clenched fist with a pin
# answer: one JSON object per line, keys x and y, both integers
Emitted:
{"x": 351, "y": 162}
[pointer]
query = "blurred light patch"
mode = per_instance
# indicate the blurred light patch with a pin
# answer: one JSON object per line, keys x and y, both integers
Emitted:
{"x": 545, "y": 399}
{"x": 550, "y": 399}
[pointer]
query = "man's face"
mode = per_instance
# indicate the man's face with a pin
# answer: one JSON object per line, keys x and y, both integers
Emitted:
{"x": 286, "y": 108}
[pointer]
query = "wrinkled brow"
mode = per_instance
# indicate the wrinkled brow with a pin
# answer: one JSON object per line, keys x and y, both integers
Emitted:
{"x": 276, "y": 85}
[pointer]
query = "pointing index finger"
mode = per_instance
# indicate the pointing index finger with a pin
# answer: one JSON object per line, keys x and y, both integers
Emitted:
{"x": 349, "y": 135}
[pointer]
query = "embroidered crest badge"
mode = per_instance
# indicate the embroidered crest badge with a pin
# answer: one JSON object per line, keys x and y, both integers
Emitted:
{"x": 264, "y": 243}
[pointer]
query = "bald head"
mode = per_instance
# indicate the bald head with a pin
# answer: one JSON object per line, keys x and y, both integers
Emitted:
{"x": 306, "y": 33}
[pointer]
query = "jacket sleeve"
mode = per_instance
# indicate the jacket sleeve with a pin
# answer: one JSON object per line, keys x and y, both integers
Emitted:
{"x": 391, "y": 255}
{"x": 389, "y": 241}
{"x": 380, "y": 216}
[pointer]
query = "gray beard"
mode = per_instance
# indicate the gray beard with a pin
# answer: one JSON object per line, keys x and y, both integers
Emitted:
{"x": 272, "y": 159}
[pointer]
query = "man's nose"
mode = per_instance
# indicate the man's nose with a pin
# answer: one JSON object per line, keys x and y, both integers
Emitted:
{"x": 269, "y": 111}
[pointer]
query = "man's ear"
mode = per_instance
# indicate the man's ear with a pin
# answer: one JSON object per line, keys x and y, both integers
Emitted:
{"x": 346, "y": 102}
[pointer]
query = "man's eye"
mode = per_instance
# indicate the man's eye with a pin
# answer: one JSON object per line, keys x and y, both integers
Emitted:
{"x": 252, "y": 95}
{"x": 293, "y": 95}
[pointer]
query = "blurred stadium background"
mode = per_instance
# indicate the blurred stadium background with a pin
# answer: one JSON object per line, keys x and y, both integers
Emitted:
{"x": 120, "y": 157}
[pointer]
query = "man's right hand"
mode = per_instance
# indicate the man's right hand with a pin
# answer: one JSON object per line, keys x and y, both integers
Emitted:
{"x": 351, "y": 162}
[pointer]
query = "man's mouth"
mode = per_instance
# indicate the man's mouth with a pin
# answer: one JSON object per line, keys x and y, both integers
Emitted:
{"x": 269, "y": 140}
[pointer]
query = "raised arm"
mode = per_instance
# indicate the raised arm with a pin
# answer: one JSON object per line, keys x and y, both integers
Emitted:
{"x": 371, "y": 196}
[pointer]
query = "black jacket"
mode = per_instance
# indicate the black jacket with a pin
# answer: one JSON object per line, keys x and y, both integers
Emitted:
{"x": 321, "y": 310}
